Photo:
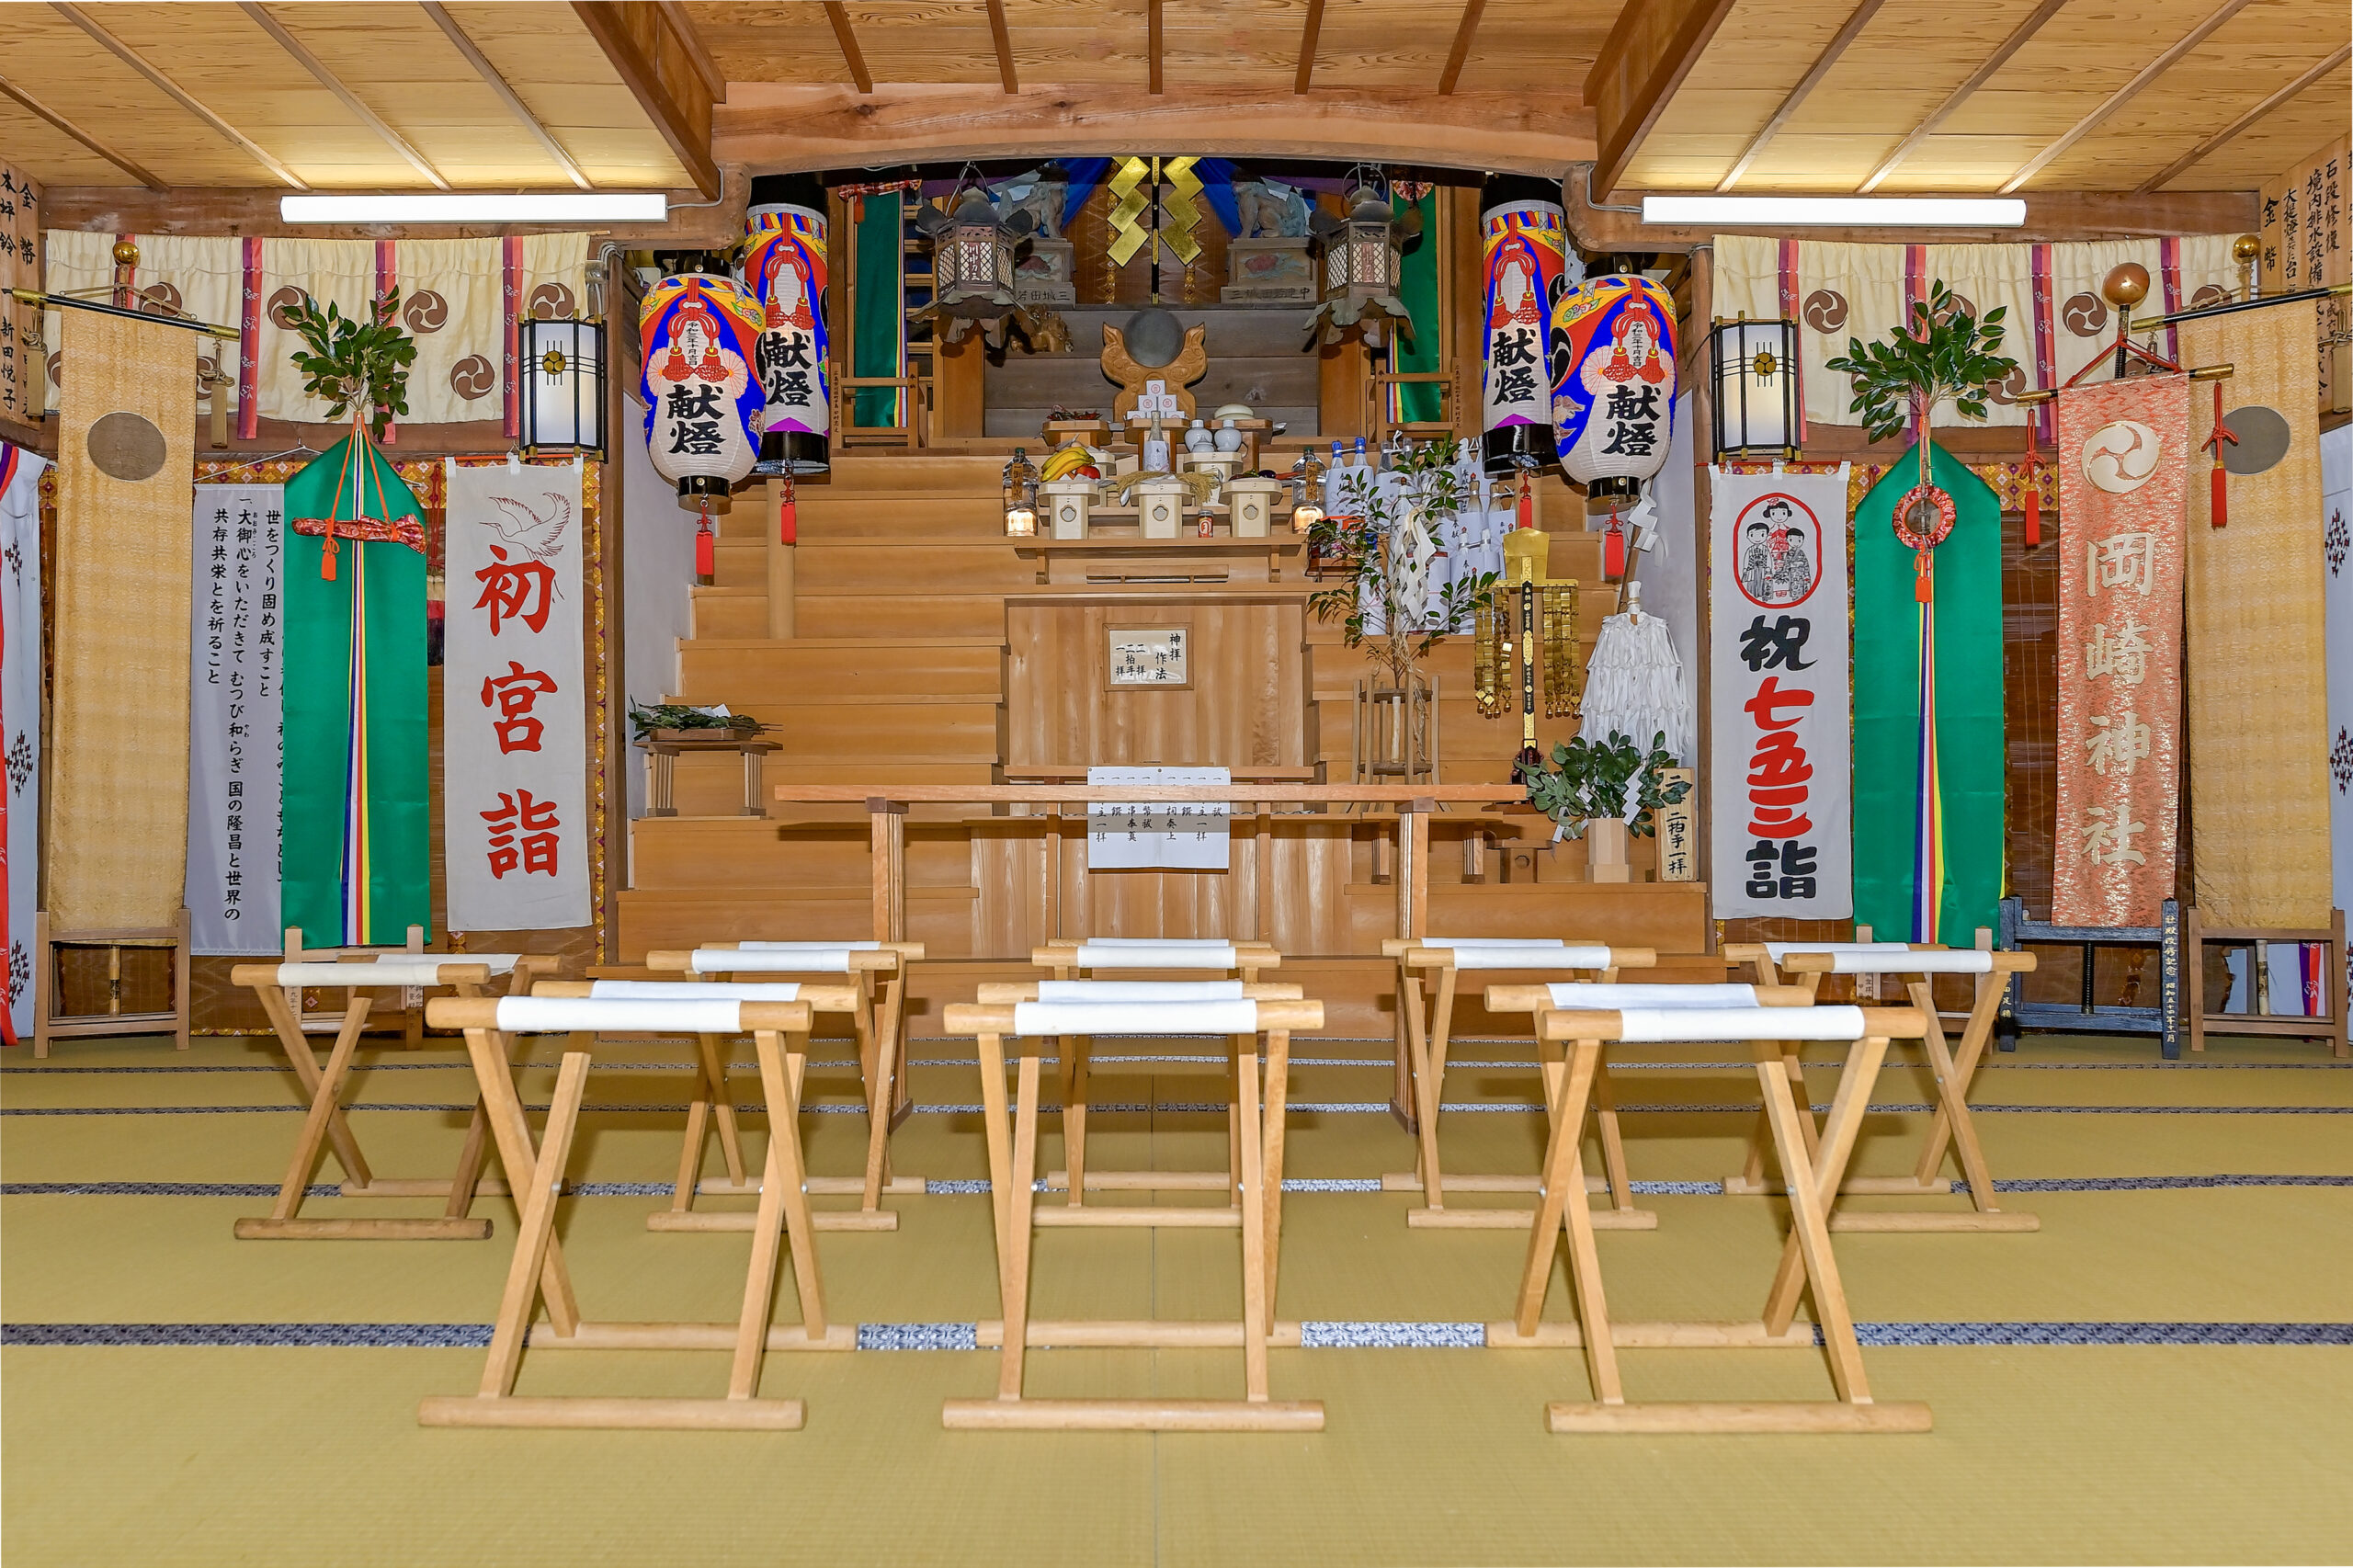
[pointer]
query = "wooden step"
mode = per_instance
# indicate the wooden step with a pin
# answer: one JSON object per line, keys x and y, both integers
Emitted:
{"x": 927, "y": 472}
{"x": 728, "y": 612}
{"x": 714, "y": 786}
{"x": 888, "y": 514}
{"x": 835, "y": 613}
{"x": 942, "y": 729}
{"x": 915, "y": 564}
{"x": 738, "y": 853}
{"x": 768, "y": 670}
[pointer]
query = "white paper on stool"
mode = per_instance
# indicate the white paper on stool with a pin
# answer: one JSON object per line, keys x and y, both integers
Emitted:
{"x": 1178, "y": 836}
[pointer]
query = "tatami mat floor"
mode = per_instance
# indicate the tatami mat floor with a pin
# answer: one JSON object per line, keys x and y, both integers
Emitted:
{"x": 2162, "y": 1372}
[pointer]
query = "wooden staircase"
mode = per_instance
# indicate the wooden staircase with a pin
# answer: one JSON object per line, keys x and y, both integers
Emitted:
{"x": 897, "y": 677}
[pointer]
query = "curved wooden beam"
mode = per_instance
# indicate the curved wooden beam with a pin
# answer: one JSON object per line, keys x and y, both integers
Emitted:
{"x": 782, "y": 126}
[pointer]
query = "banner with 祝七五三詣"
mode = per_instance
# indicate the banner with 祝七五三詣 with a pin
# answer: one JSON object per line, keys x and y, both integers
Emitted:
{"x": 2123, "y": 456}
{"x": 514, "y": 727}
{"x": 1778, "y": 791}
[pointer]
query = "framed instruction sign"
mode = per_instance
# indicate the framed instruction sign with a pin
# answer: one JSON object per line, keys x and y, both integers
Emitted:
{"x": 1152, "y": 656}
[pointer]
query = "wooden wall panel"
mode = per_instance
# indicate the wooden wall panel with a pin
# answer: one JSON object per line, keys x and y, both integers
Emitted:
{"x": 1247, "y": 706}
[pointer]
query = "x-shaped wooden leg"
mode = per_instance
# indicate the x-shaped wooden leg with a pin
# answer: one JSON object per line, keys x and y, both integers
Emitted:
{"x": 324, "y": 1126}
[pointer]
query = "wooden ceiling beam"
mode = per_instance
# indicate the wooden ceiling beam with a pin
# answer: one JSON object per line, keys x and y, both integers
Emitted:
{"x": 659, "y": 71}
{"x": 781, "y": 127}
{"x": 1953, "y": 100}
{"x": 34, "y": 105}
{"x": 847, "y": 41}
{"x": 1649, "y": 51}
{"x": 334, "y": 84}
{"x": 1464, "y": 32}
{"x": 178, "y": 94}
{"x": 1000, "y": 35}
{"x": 682, "y": 26}
{"x": 1307, "y": 40}
{"x": 1152, "y": 43}
{"x": 2199, "y": 154}
{"x": 2118, "y": 98}
{"x": 505, "y": 91}
{"x": 1855, "y": 21}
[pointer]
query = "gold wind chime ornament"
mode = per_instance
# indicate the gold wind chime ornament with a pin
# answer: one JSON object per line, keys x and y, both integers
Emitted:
{"x": 1156, "y": 201}
{"x": 1548, "y": 626}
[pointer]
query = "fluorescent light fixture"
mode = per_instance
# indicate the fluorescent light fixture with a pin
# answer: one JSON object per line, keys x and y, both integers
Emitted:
{"x": 1853, "y": 211}
{"x": 567, "y": 207}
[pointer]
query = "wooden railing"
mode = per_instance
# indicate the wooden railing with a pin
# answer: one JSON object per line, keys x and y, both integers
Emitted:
{"x": 911, "y": 431}
{"x": 886, "y": 806}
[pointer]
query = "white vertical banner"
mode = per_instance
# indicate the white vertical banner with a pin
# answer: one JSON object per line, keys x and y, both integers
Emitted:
{"x": 1780, "y": 793}
{"x": 514, "y": 727}
{"x": 236, "y": 714}
{"x": 20, "y": 474}
{"x": 2337, "y": 547}
{"x": 1178, "y": 836}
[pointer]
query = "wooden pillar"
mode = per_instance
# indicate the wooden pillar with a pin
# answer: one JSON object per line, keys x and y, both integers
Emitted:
{"x": 1693, "y": 373}
{"x": 781, "y": 609}
{"x": 1343, "y": 371}
{"x": 959, "y": 405}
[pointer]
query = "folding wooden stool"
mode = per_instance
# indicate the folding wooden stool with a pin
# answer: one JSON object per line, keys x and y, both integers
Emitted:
{"x": 872, "y": 978}
{"x": 538, "y": 1274}
{"x": 1804, "y": 963}
{"x": 1076, "y": 963}
{"x": 280, "y": 987}
{"x": 1807, "y": 1263}
{"x": 1261, "y": 1093}
{"x": 1431, "y": 966}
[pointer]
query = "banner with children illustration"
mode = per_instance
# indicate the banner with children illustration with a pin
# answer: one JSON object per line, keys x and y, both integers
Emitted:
{"x": 1780, "y": 794}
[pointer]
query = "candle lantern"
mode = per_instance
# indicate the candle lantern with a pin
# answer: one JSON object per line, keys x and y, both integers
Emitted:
{"x": 1307, "y": 493}
{"x": 1525, "y": 236}
{"x": 562, "y": 390}
{"x": 1020, "y": 496}
{"x": 701, "y": 399}
{"x": 1758, "y": 410}
{"x": 784, "y": 269}
{"x": 1362, "y": 263}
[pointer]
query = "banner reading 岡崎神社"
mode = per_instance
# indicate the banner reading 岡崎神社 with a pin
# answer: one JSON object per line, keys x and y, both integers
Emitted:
{"x": 514, "y": 727}
{"x": 1778, "y": 791}
{"x": 237, "y": 710}
{"x": 2122, "y": 450}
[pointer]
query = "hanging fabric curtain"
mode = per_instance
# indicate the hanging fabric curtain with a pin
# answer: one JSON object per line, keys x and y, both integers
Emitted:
{"x": 355, "y": 864}
{"x": 879, "y": 312}
{"x": 1420, "y": 401}
{"x": 1928, "y": 757}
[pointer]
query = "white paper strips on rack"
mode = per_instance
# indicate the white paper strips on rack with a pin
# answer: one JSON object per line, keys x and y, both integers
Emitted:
{"x": 1178, "y": 836}
{"x": 1780, "y": 793}
{"x": 514, "y": 734}
{"x": 236, "y": 710}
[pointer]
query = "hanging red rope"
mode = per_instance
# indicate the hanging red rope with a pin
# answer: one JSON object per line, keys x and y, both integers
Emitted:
{"x": 2219, "y": 495}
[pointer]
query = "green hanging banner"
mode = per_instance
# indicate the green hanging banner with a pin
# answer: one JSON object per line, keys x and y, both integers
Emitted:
{"x": 355, "y": 866}
{"x": 878, "y": 332}
{"x": 1420, "y": 401}
{"x": 1928, "y": 801}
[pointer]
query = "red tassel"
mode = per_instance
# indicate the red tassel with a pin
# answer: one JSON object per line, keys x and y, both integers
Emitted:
{"x": 2222, "y": 495}
{"x": 1526, "y": 503}
{"x": 326, "y": 559}
{"x": 788, "y": 519}
{"x": 1613, "y": 552}
{"x": 705, "y": 549}
{"x": 1923, "y": 576}
{"x": 2220, "y": 499}
{"x": 2033, "y": 513}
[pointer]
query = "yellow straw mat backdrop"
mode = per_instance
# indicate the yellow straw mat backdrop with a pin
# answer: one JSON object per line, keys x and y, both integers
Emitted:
{"x": 2258, "y": 684}
{"x": 117, "y": 831}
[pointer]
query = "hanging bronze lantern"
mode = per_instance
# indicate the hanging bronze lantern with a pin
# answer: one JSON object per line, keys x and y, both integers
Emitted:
{"x": 972, "y": 257}
{"x": 1362, "y": 264}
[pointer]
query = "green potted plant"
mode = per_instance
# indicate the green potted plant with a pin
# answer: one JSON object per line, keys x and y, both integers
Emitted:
{"x": 347, "y": 362}
{"x": 1604, "y": 791}
{"x": 1377, "y": 544}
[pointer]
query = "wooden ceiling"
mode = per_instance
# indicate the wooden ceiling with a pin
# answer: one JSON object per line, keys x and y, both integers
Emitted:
{"x": 2023, "y": 95}
{"x": 2040, "y": 96}
{"x": 323, "y": 96}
